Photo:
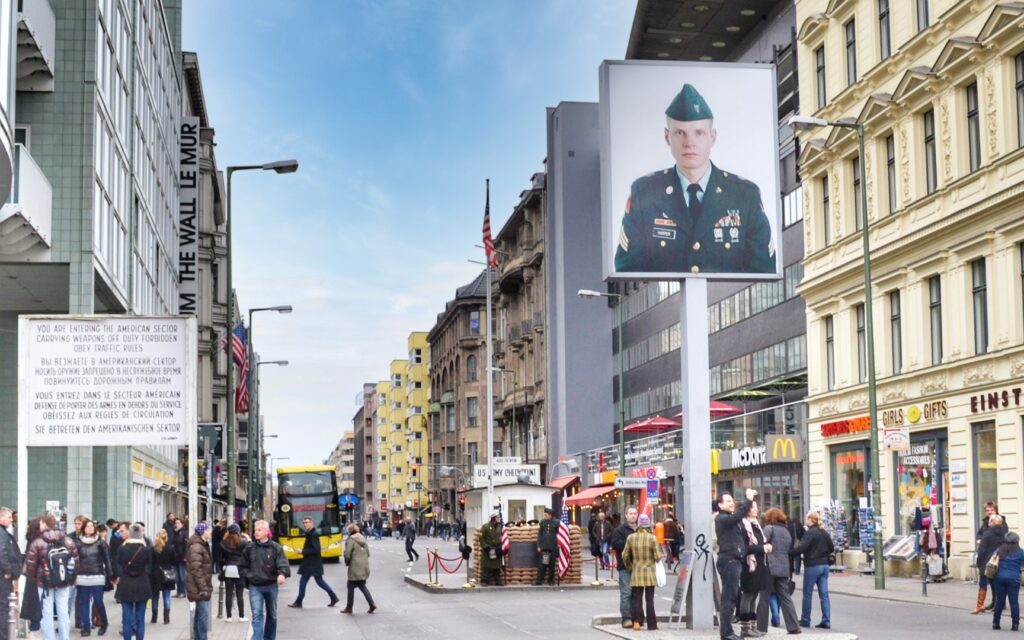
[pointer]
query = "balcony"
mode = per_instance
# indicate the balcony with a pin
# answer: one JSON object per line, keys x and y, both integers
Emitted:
{"x": 36, "y": 45}
{"x": 25, "y": 220}
{"x": 538, "y": 322}
{"x": 525, "y": 329}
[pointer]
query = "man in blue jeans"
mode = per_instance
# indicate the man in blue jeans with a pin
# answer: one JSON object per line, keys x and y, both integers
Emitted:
{"x": 618, "y": 543}
{"x": 265, "y": 567}
{"x": 199, "y": 578}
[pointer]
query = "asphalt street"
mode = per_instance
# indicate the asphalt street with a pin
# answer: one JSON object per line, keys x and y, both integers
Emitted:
{"x": 405, "y": 611}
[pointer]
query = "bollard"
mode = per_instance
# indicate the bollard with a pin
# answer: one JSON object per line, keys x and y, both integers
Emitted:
{"x": 597, "y": 574}
{"x": 924, "y": 575}
{"x": 469, "y": 574}
{"x": 12, "y": 604}
{"x": 220, "y": 599}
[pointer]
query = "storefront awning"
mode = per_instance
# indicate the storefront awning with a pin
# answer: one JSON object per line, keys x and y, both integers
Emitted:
{"x": 655, "y": 424}
{"x": 559, "y": 484}
{"x": 587, "y": 496}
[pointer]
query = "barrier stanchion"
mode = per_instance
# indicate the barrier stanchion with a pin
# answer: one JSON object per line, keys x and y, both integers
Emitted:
{"x": 469, "y": 576}
{"x": 220, "y": 599}
{"x": 12, "y": 604}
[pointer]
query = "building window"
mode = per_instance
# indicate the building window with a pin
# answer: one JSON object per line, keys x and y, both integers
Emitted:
{"x": 471, "y": 412}
{"x": 849, "y": 483}
{"x": 925, "y": 472}
{"x": 851, "y": 51}
{"x": 862, "y": 350}
{"x": 935, "y": 314}
{"x": 931, "y": 175}
{"x": 922, "y": 15}
{"x": 979, "y": 293}
{"x": 793, "y": 207}
{"x": 471, "y": 369}
{"x": 474, "y": 323}
{"x": 1018, "y": 65}
{"x": 885, "y": 42}
{"x": 826, "y": 219}
{"x": 890, "y": 171}
{"x": 973, "y": 127}
{"x": 858, "y": 208}
{"x": 830, "y": 352}
{"x": 896, "y": 331}
{"x": 819, "y": 62}
{"x": 985, "y": 466}
{"x": 473, "y": 451}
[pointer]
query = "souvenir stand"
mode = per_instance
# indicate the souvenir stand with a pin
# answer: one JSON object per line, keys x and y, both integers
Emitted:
{"x": 833, "y": 521}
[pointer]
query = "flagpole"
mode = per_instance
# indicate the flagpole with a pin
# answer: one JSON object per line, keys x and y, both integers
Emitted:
{"x": 490, "y": 376}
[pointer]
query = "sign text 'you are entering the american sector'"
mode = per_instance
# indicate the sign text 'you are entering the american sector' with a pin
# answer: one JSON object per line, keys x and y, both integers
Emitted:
{"x": 106, "y": 381}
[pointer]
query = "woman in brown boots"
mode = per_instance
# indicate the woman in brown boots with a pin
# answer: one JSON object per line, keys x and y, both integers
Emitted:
{"x": 990, "y": 542}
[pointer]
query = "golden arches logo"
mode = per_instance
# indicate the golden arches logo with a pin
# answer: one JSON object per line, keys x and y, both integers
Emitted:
{"x": 784, "y": 449}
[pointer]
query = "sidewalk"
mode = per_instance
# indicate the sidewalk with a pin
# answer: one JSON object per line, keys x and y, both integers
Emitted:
{"x": 178, "y": 629}
{"x": 954, "y": 594}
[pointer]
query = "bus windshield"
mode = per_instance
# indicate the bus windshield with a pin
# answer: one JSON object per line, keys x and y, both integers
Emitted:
{"x": 306, "y": 483}
{"x": 294, "y": 510}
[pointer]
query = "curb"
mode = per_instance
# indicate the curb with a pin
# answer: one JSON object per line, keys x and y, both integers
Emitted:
{"x": 420, "y": 582}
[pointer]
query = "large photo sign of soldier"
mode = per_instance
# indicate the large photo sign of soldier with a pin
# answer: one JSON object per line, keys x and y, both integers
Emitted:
{"x": 689, "y": 173}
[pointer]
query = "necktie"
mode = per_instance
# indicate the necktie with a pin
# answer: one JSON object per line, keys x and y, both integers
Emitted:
{"x": 694, "y": 206}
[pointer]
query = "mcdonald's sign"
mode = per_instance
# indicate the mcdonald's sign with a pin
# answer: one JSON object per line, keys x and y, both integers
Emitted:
{"x": 784, "y": 448}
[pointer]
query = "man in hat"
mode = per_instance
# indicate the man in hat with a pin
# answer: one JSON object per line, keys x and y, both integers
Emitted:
{"x": 490, "y": 551}
{"x": 694, "y": 217}
{"x": 547, "y": 548}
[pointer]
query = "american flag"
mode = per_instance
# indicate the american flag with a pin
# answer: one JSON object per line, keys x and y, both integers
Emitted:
{"x": 563, "y": 540}
{"x": 241, "y": 358}
{"x": 492, "y": 255}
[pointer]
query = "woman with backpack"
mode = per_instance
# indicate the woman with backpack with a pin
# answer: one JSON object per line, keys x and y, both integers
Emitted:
{"x": 50, "y": 563}
{"x": 93, "y": 570}
{"x": 134, "y": 564}
{"x": 164, "y": 574}
{"x": 1006, "y": 583}
{"x": 232, "y": 548}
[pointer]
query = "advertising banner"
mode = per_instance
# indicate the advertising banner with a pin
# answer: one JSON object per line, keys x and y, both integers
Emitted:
{"x": 188, "y": 217}
{"x": 689, "y": 171}
{"x": 106, "y": 380}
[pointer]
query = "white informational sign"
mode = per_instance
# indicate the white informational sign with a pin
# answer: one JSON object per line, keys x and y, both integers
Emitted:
{"x": 506, "y": 474}
{"x": 958, "y": 479}
{"x": 630, "y": 483}
{"x": 672, "y": 127}
{"x": 106, "y": 380}
{"x": 897, "y": 439}
{"x": 188, "y": 217}
{"x": 507, "y": 460}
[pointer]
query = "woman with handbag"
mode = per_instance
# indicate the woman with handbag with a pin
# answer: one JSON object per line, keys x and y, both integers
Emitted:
{"x": 91, "y": 576}
{"x": 780, "y": 570}
{"x": 640, "y": 555}
{"x": 1006, "y": 582}
{"x": 817, "y": 549}
{"x": 991, "y": 540}
{"x": 232, "y": 548}
{"x": 755, "y": 578}
{"x": 133, "y": 566}
{"x": 164, "y": 576}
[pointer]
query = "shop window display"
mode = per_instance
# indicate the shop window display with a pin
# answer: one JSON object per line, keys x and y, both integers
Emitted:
{"x": 849, "y": 485}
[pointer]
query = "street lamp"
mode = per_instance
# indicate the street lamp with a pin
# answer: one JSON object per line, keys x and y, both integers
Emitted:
{"x": 255, "y": 459}
{"x": 280, "y": 166}
{"x": 803, "y": 123}
{"x": 589, "y": 294}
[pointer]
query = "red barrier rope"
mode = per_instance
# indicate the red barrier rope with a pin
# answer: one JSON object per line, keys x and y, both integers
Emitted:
{"x": 446, "y": 570}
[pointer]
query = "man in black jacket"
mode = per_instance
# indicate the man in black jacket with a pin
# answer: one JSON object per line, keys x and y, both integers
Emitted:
{"x": 732, "y": 549}
{"x": 312, "y": 565}
{"x": 10, "y": 569}
{"x": 618, "y": 543}
{"x": 265, "y": 566}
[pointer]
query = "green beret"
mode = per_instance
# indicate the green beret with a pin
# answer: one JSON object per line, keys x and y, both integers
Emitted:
{"x": 689, "y": 105}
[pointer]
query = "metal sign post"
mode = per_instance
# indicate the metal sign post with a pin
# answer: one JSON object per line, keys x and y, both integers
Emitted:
{"x": 693, "y": 321}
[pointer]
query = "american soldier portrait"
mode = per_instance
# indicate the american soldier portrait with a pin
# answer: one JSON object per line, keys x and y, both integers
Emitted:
{"x": 694, "y": 217}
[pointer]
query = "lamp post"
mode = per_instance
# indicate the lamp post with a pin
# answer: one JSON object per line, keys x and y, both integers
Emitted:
{"x": 280, "y": 166}
{"x": 803, "y": 123}
{"x": 588, "y": 294}
{"x": 262, "y": 457}
{"x": 254, "y": 413}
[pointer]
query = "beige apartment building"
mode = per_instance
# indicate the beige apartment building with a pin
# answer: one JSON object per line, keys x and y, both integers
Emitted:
{"x": 939, "y": 89}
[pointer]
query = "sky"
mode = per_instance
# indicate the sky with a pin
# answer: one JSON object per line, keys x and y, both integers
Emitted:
{"x": 397, "y": 111}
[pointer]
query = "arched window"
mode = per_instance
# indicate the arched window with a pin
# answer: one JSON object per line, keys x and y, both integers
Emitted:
{"x": 471, "y": 368}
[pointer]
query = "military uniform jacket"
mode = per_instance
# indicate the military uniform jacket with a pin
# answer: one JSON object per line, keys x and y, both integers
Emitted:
{"x": 547, "y": 536}
{"x": 490, "y": 536}
{"x": 659, "y": 234}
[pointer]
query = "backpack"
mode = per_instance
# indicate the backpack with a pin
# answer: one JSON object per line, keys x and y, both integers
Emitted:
{"x": 59, "y": 567}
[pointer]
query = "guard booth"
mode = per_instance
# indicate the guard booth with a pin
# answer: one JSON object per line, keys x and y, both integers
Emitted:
{"x": 521, "y": 504}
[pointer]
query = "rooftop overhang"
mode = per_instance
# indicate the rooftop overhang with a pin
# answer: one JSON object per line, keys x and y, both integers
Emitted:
{"x": 37, "y": 29}
{"x": 710, "y": 30}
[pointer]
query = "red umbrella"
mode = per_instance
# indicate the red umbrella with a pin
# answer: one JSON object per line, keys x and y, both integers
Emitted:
{"x": 655, "y": 424}
{"x": 719, "y": 409}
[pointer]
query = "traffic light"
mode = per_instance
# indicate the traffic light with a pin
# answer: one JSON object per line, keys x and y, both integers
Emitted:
{"x": 349, "y": 506}
{"x": 414, "y": 467}
{"x": 462, "y": 501}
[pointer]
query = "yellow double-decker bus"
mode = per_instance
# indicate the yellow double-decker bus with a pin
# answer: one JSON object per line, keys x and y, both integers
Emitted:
{"x": 308, "y": 492}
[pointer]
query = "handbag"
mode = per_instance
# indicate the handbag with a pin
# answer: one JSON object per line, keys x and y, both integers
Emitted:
{"x": 659, "y": 573}
{"x": 231, "y": 571}
{"x": 170, "y": 576}
{"x": 790, "y": 586}
{"x": 992, "y": 566}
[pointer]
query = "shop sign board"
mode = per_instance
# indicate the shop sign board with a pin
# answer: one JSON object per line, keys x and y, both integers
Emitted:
{"x": 742, "y": 458}
{"x": 838, "y": 428}
{"x": 896, "y": 438}
{"x": 995, "y": 400}
{"x": 650, "y": 473}
{"x": 506, "y": 474}
{"x": 784, "y": 448}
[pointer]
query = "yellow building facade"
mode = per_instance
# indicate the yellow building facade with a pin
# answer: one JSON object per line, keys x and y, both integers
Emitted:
{"x": 382, "y": 431}
{"x": 417, "y": 396}
{"x": 938, "y": 87}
